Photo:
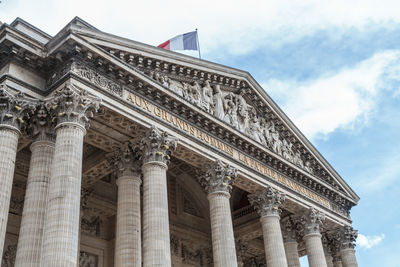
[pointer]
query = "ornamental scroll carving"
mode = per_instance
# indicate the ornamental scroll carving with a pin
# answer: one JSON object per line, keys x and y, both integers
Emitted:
{"x": 157, "y": 146}
{"x": 96, "y": 78}
{"x": 346, "y": 237}
{"x": 217, "y": 177}
{"x": 125, "y": 161}
{"x": 267, "y": 201}
{"x": 15, "y": 107}
{"x": 311, "y": 221}
{"x": 233, "y": 109}
{"x": 291, "y": 229}
{"x": 72, "y": 104}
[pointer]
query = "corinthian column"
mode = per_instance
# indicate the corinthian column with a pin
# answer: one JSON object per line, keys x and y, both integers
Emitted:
{"x": 71, "y": 107}
{"x": 217, "y": 181}
{"x": 290, "y": 237}
{"x": 13, "y": 109}
{"x": 157, "y": 147}
{"x": 312, "y": 237}
{"x": 347, "y": 238}
{"x": 241, "y": 248}
{"x": 128, "y": 251}
{"x": 267, "y": 202}
{"x": 327, "y": 244}
{"x": 41, "y": 129}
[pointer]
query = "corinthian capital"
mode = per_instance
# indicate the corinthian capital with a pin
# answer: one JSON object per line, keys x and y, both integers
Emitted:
{"x": 72, "y": 104}
{"x": 157, "y": 146}
{"x": 40, "y": 125}
{"x": 346, "y": 237}
{"x": 15, "y": 108}
{"x": 291, "y": 228}
{"x": 217, "y": 177}
{"x": 311, "y": 221}
{"x": 267, "y": 201}
{"x": 125, "y": 161}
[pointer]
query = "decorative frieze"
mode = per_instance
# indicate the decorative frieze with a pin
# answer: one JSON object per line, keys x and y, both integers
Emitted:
{"x": 157, "y": 146}
{"x": 234, "y": 109}
{"x": 96, "y": 78}
{"x": 267, "y": 201}
{"x": 217, "y": 177}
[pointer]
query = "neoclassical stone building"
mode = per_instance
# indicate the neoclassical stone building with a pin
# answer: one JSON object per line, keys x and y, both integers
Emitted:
{"x": 185, "y": 163}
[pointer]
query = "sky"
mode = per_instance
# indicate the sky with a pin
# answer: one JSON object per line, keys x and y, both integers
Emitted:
{"x": 332, "y": 66}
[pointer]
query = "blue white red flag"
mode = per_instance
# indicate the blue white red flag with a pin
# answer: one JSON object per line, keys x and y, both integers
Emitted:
{"x": 187, "y": 41}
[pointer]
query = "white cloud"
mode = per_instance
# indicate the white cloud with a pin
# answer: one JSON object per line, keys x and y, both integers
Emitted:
{"x": 342, "y": 100}
{"x": 367, "y": 242}
{"x": 237, "y": 26}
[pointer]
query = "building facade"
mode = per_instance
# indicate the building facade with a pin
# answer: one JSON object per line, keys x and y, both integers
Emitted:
{"x": 117, "y": 153}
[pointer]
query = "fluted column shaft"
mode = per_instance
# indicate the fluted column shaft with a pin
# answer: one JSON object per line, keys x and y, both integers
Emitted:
{"x": 348, "y": 257}
{"x": 273, "y": 242}
{"x": 315, "y": 250}
{"x": 35, "y": 204}
{"x": 292, "y": 254}
{"x": 267, "y": 203}
{"x": 8, "y": 152}
{"x": 217, "y": 180}
{"x": 329, "y": 260}
{"x": 156, "y": 239}
{"x": 223, "y": 240}
{"x": 337, "y": 263}
{"x": 156, "y": 149}
{"x": 128, "y": 233}
{"x": 60, "y": 245}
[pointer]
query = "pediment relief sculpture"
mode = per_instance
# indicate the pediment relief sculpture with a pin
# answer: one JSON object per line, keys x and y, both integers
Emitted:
{"x": 233, "y": 109}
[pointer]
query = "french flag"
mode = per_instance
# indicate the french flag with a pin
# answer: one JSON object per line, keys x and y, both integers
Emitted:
{"x": 186, "y": 41}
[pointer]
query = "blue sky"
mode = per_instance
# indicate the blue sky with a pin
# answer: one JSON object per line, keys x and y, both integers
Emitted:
{"x": 333, "y": 67}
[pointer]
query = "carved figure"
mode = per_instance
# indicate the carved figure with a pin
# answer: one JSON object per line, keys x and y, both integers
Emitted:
{"x": 206, "y": 97}
{"x": 192, "y": 93}
{"x": 266, "y": 132}
{"x": 277, "y": 143}
{"x": 175, "y": 86}
{"x": 297, "y": 160}
{"x": 218, "y": 103}
{"x": 287, "y": 150}
{"x": 243, "y": 114}
{"x": 256, "y": 131}
{"x": 307, "y": 167}
{"x": 231, "y": 112}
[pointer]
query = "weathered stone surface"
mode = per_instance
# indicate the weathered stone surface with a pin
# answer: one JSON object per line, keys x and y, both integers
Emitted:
{"x": 157, "y": 147}
{"x": 267, "y": 203}
{"x": 72, "y": 107}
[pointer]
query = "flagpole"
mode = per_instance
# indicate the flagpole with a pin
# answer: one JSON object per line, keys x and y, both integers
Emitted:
{"x": 198, "y": 43}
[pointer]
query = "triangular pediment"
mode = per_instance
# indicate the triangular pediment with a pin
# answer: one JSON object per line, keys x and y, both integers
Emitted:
{"x": 229, "y": 96}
